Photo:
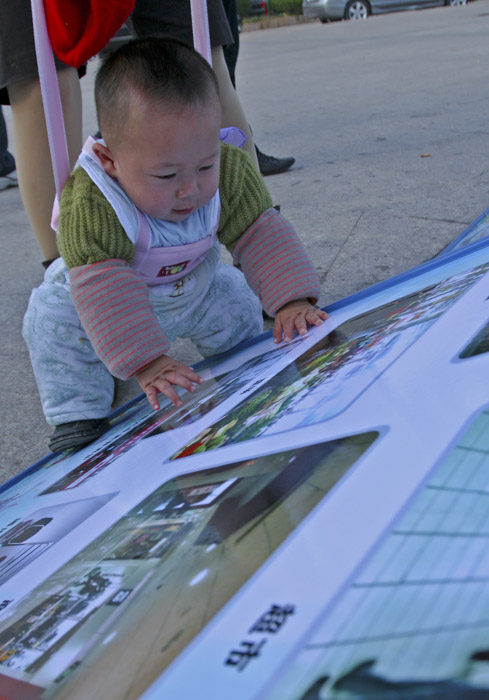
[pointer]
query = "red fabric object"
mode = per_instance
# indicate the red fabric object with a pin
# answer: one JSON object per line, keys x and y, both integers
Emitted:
{"x": 79, "y": 29}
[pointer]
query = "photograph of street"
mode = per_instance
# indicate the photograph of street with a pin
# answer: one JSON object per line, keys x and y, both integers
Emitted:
{"x": 327, "y": 378}
{"x": 29, "y": 538}
{"x": 145, "y": 587}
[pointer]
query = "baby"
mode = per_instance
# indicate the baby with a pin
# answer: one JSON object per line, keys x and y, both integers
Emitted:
{"x": 141, "y": 221}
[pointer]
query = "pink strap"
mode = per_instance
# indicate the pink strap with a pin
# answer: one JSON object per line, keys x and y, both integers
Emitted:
{"x": 200, "y": 29}
{"x": 50, "y": 97}
{"x": 143, "y": 243}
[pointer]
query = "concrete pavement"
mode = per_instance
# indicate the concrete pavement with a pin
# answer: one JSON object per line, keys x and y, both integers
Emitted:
{"x": 387, "y": 120}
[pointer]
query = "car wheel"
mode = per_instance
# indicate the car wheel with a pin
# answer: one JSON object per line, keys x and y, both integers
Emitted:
{"x": 324, "y": 21}
{"x": 357, "y": 9}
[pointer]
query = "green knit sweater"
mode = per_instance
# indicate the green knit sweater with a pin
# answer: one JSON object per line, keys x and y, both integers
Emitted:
{"x": 90, "y": 232}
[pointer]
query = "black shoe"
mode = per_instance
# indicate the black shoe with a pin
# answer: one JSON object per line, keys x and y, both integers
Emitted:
{"x": 9, "y": 180}
{"x": 77, "y": 434}
{"x": 272, "y": 166}
{"x": 47, "y": 263}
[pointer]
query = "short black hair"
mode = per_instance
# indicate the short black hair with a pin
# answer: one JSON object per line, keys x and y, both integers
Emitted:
{"x": 157, "y": 68}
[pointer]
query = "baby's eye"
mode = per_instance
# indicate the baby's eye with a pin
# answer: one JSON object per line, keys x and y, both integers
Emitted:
{"x": 165, "y": 177}
{"x": 207, "y": 167}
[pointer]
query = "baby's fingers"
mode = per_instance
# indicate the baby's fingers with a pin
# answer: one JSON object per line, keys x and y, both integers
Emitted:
{"x": 290, "y": 324}
{"x": 189, "y": 373}
{"x": 184, "y": 376}
{"x": 315, "y": 317}
{"x": 301, "y": 324}
{"x": 152, "y": 396}
{"x": 277, "y": 330}
{"x": 166, "y": 388}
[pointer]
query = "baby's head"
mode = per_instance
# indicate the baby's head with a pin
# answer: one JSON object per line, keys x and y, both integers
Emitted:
{"x": 159, "y": 113}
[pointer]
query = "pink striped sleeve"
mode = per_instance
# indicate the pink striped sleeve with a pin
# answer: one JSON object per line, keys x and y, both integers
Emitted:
{"x": 113, "y": 306}
{"x": 275, "y": 263}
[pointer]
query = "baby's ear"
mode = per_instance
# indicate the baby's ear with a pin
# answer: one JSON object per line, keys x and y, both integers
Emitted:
{"x": 106, "y": 158}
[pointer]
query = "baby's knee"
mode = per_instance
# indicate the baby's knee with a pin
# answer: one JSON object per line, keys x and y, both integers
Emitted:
{"x": 231, "y": 321}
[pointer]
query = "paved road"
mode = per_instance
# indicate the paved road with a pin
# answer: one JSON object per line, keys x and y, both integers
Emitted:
{"x": 388, "y": 121}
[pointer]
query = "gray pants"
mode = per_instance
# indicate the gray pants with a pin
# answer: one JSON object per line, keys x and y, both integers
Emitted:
{"x": 213, "y": 306}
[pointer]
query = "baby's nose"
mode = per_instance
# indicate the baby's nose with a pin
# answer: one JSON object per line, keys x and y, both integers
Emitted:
{"x": 187, "y": 189}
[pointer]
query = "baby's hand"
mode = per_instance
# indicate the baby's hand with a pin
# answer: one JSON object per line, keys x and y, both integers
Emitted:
{"x": 160, "y": 376}
{"x": 295, "y": 316}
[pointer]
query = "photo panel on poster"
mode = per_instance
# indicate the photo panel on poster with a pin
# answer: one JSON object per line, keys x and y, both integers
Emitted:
{"x": 170, "y": 564}
{"x": 326, "y": 379}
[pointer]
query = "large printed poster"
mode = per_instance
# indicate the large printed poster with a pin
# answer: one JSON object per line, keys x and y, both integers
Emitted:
{"x": 309, "y": 524}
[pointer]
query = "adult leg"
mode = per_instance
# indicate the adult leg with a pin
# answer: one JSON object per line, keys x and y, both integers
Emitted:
{"x": 34, "y": 168}
{"x": 268, "y": 165}
{"x": 232, "y": 111}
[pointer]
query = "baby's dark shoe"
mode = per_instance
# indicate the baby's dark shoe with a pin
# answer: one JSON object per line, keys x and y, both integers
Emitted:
{"x": 77, "y": 434}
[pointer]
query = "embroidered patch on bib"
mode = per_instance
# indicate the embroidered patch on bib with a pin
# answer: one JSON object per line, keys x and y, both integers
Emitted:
{"x": 168, "y": 270}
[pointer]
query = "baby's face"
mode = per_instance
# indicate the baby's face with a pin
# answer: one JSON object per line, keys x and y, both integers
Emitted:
{"x": 169, "y": 163}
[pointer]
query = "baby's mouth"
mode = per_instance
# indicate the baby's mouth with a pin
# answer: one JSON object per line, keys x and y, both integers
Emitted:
{"x": 184, "y": 211}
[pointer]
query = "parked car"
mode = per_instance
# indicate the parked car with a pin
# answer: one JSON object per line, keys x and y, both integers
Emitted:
{"x": 329, "y": 10}
{"x": 259, "y": 7}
